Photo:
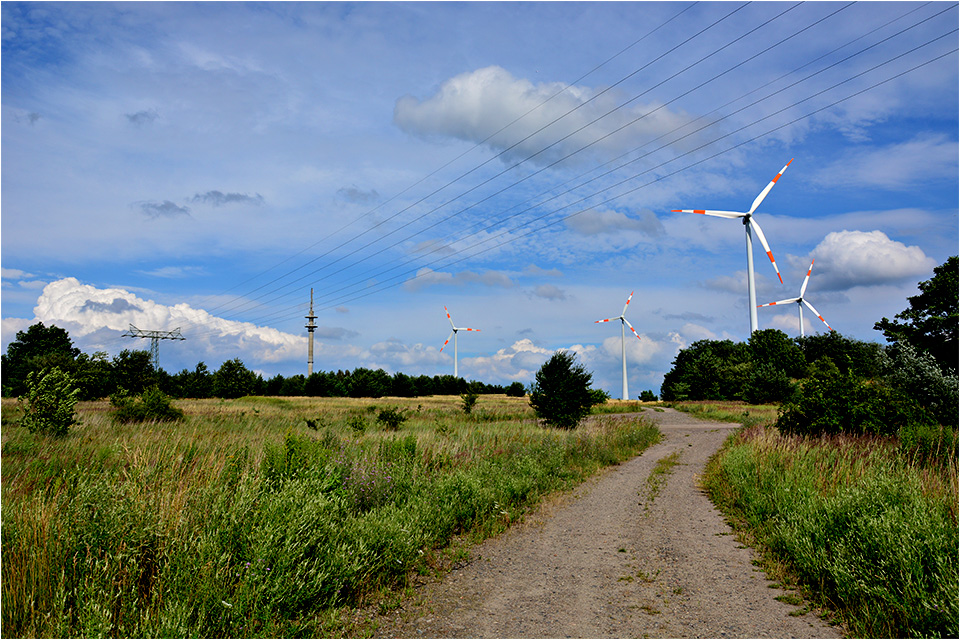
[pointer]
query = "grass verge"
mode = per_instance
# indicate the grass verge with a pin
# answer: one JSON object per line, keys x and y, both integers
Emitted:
{"x": 862, "y": 530}
{"x": 247, "y": 520}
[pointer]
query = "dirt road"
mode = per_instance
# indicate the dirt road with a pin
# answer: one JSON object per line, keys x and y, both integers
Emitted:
{"x": 607, "y": 561}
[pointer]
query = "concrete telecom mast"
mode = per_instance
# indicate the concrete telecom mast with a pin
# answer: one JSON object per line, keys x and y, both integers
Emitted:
{"x": 155, "y": 338}
{"x": 311, "y": 327}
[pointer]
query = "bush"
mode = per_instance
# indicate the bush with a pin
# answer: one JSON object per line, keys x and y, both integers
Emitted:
{"x": 468, "y": 400}
{"x": 561, "y": 394}
{"x": 391, "y": 418}
{"x": 48, "y": 407}
{"x": 648, "y": 395}
{"x": 830, "y": 403}
{"x": 153, "y": 404}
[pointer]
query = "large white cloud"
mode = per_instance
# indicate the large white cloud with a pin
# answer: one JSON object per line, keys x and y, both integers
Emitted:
{"x": 483, "y": 105}
{"x": 85, "y": 310}
{"x": 846, "y": 259}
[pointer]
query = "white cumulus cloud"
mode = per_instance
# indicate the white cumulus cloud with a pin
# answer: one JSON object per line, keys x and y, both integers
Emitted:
{"x": 846, "y": 259}
{"x": 491, "y": 106}
{"x": 84, "y": 310}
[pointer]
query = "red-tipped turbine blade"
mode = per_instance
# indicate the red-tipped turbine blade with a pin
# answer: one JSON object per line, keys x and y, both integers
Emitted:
{"x": 450, "y": 319}
{"x": 763, "y": 194}
{"x": 803, "y": 287}
{"x": 771, "y": 304}
{"x": 446, "y": 341}
{"x": 817, "y": 313}
{"x": 624, "y": 312}
{"x": 766, "y": 247}
{"x": 711, "y": 212}
{"x": 631, "y": 328}
{"x": 606, "y": 320}
{"x": 465, "y": 329}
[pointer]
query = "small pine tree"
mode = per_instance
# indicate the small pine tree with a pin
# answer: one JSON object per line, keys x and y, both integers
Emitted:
{"x": 48, "y": 406}
{"x": 561, "y": 394}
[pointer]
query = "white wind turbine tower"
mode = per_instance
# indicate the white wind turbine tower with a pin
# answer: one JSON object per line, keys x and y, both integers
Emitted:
{"x": 623, "y": 340}
{"x": 800, "y": 302}
{"x": 748, "y": 223}
{"x": 453, "y": 334}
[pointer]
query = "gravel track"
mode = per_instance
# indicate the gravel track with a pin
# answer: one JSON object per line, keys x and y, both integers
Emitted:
{"x": 606, "y": 561}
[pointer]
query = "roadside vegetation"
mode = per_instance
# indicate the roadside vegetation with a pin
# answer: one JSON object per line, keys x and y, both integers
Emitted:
{"x": 265, "y": 516}
{"x": 847, "y": 480}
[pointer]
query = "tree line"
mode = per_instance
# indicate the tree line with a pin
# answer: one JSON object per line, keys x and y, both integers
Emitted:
{"x": 830, "y": 383}
{"x": 132, "y": 372}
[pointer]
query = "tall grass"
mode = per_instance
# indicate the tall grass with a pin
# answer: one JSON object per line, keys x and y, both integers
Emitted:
{"x": 865, "y": 530}
{"x": 243, "y": 520}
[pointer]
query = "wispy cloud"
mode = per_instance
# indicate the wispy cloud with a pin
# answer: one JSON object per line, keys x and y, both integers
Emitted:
{"x": 427, "y": 277}
{"x": 164, "y": 209}
{"x": 141, "y": 118}
{"x": 218, "y": 198}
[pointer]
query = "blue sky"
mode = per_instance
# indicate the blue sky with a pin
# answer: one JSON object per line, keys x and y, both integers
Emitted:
{"x": 203, "y": 166}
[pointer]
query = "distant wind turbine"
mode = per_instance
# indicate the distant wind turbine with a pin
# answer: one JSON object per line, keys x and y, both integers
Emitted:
{"x": 748, "y": 223}
{"x": 453, "y": 334}
{"x": 800, "y": 302}
{"x": 623, "y": 340}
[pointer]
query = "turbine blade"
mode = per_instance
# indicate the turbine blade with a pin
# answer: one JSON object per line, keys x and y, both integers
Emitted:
{"x": 631, "y": 328}
{"x": 606, "y": 320}
{"x": 624, "y": 312}
{"x": 766, "y": 247}
{"x": 817, "y": 313}
{"x": 803, "y": 287}
{"x": 446, "y": 341}
{"x": 771, "y": 304}
{"x": 763, "y": 194}
{"x": 465, "y": 329}
{"x": 450, "y": 319}
{"x": 711, "y": 212}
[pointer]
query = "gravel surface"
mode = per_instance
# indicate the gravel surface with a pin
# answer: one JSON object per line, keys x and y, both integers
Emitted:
{"x": 607, "y": 561}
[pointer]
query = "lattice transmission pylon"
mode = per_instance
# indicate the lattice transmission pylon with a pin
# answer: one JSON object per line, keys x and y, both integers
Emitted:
{"x": 155, "y": 338}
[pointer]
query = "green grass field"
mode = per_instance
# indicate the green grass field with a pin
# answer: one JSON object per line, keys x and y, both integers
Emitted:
{"x": 266, "y": 516}
{"x": 858, "y": 524}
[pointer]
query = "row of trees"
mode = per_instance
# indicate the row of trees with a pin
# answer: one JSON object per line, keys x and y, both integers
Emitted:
{"x": 97, "y": 376}
{"x": 830, "y": 383}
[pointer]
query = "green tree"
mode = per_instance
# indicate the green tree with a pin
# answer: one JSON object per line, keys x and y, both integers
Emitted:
{"x": 49, "y": 402}
{"x": 94, "y": 375}
{"x": 133, "y": 371}
{"x": 708, "y": 370}
{"x": 561, "y": 394}
{"x": 36, "y": 348}
{"x": 775, "y": 349}
{"x": 234, "y": 380}
{"x": 930, "y": 323}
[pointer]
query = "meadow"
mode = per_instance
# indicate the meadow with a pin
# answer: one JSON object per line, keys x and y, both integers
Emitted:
{"x": 863, "y": 526}
{"x": 268, "y": 516}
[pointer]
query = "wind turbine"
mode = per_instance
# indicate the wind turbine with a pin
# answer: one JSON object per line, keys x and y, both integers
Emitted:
{"x": 453, "y": 334}
{"x": 748, "y": 223}
{"x": 800, "y": 302}
{"x": 623, "y": 340}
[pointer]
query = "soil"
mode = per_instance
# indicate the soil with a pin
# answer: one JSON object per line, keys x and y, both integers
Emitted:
{"x": 613, "y": 559}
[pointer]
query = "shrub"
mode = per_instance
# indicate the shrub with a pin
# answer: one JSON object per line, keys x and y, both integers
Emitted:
{"x": 153, "y": 404}
{"x": 48, "y": 407}
{"x": 391, "y": 418}
{"x": 831, "y": 403}
{"x": 648, "y": 395}
{"x": 468, "y": 400}
{"x": 561, "y": 394}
